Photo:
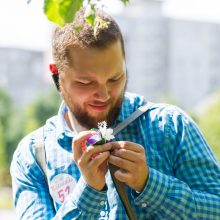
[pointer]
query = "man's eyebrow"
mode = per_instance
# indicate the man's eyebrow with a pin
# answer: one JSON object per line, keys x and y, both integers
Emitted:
{"x": 117, "y": 74}
{"x": 85, "y": 77}
{"x": 80, "y": 77}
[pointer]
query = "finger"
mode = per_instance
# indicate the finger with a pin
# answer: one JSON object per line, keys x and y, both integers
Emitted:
{"x": 123, "y": 176}
{"x": 94, "y": 149}
{"x": 126, "y": 154}
{"x": 100, "y": 159}
{"x": 77, "y": 143}
{"x": 122, "y": 163}
{"x": 127, "y": 145}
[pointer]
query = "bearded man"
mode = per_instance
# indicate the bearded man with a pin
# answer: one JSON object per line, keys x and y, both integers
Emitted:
{"x": 169, "y": 169}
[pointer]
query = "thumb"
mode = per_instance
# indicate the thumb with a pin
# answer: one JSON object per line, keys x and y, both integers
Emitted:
{"x": 77, "y": 143}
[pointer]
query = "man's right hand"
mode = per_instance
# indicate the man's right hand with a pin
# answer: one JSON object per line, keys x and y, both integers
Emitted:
{"x": 93, "y": 169}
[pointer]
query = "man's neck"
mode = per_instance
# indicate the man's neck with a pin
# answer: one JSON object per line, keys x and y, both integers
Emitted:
{"x": 72, "y": 123}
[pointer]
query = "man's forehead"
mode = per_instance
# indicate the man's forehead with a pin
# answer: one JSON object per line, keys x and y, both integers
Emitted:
{"x": 92, "y": 72}
{"x": 93, "y": 59}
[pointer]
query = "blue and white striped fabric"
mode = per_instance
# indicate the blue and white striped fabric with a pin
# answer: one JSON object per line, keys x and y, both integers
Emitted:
{"x": 184, "y": 176}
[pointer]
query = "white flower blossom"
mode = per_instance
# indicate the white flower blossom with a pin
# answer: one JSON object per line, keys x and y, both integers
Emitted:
{"x": 107, "y": 133}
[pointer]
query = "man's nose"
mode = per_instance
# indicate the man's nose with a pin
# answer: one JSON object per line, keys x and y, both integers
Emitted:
{"x": 102, "y": 93}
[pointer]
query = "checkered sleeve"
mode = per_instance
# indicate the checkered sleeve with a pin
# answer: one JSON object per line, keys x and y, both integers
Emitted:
{"x": 31, "y": 195}
{"x": 87, "y": 201}
{"x": 30, "y": 191}
{"x": 193, "y": 190}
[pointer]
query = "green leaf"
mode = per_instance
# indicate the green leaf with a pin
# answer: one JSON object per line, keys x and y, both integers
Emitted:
{"x": 99, "y": 24}
{"x": 61, "y": 11}
{"x": 68, "y": 9}
{"x": 125, "y": 1}
{"x": 51, "y": 10}
{"x": 90, "y": 14}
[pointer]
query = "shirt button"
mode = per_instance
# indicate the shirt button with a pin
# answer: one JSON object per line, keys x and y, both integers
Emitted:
{"x": 102, "y": 202}
{"x": 144, "y": 205}
{"x": 102, "y": 213}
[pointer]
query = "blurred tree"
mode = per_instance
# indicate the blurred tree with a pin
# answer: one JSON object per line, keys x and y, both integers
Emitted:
{"x": 209, "y": 122}
{"x": 40, "y": 110}
{"x": 15, "y": 124}
{"x": 15, "y": 132}
{"x": 5, "y": 107}
{"x": 3, "y": 158}
{"x": 5, "y": 114}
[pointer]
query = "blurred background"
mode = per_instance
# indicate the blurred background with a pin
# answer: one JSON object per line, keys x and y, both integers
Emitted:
{"x": 173, "y": 56}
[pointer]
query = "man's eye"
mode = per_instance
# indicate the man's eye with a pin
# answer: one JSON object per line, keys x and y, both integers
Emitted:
{"x": 116, "y": 78}
{"x": 84, "y": 83}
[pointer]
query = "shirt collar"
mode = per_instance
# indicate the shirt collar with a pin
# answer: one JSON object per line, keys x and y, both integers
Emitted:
{"x": 65, "y": 135}
{"x": 123, "y": 114}
{"x": 130, "y": 104}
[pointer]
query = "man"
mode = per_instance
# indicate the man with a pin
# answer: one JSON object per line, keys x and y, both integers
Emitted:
{"x": 169, "y": 170}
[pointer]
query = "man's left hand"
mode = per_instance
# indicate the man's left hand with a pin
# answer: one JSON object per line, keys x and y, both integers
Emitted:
{"x": 131, "y": 160}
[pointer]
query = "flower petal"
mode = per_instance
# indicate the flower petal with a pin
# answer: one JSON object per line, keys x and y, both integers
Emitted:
{"x": 94, "y": 138}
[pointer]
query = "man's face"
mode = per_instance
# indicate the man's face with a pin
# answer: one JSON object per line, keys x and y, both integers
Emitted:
{"x": 93, "y": 86}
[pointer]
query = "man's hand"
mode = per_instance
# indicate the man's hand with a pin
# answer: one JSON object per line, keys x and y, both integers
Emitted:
{"x": 93, "y": 169}
{"x": 131, "y": 160}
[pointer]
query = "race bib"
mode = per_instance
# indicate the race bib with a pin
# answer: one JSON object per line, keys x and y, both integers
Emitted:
{"x": 61, "y": 187}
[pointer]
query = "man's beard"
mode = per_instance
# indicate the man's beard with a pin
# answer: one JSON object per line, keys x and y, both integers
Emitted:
{"x": 86, "y": 120}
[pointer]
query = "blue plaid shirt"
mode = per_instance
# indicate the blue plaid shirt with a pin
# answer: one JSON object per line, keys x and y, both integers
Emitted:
{"x": 184, "y": 175}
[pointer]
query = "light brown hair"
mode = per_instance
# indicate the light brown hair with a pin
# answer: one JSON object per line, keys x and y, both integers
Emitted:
{"x": 81, "y": 34}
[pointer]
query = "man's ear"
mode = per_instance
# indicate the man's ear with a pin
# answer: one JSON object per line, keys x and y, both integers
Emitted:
{"x": 53, "y": 69}
{"x": 55, "y": 75}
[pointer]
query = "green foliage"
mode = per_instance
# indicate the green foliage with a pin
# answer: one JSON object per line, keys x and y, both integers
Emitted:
{"x": 14, "y": 125}
{"x": 5, "y": 114}
{"x": 90, "y": 14}
{"x": 209, "y": 122}
{"x": 5, "y": 107}
{"x": 125, "y": 1}
{"x": 3, "y": 161}
{"x": 99, "y": 25}
{"x": 68, "y": 9}
{"x": 40, "y": 110}
{"x": 14, "y": 132}
{"x": 63, "y": 11}
{"x": 5, "y": 111}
